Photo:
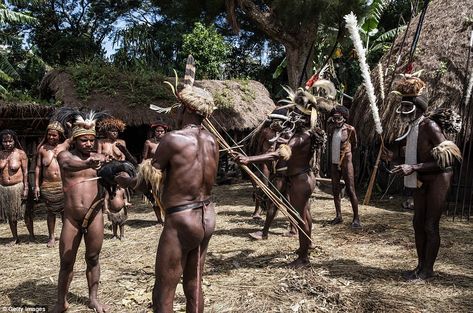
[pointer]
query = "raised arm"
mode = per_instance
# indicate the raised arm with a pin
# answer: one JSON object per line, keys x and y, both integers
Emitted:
{"x": 69, "y": 163}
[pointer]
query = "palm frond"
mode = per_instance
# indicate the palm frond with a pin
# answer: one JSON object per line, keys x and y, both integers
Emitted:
{"x": 6, "y": 67}
{"x": 390, "y": 34}
{"x": 12, "y": 17}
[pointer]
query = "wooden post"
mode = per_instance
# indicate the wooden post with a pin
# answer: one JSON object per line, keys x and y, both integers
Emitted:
{"x": 367, "y": 199}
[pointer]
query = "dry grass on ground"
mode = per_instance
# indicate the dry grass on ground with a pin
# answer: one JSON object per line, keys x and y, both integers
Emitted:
{"x": 351, "y": 271}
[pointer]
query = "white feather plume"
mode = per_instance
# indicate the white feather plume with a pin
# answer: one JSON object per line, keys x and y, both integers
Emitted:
{"x": 381, "y": 81}
{"x": 352, "y": 26}
{"x": 468, "y": 90}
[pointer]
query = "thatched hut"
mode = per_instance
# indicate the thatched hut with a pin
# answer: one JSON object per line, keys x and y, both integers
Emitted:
{"x": 241, "y": 104}
{"x": 442, "y": 54}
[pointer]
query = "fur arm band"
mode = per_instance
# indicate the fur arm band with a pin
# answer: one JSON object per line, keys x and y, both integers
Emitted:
{"x": 285, "y": 152}
{"x": 150, "y": 175}
{"x": 446, "y": 153}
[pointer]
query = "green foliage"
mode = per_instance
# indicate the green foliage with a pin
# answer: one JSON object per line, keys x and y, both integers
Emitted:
{"x": 208, "y": 48}
{"x": 138, "y": 86}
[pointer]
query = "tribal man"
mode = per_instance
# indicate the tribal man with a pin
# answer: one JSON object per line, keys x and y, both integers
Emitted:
{"x": 149, "y": 151}
{"x": 298, "y": 153}
{"x": 277, "y": 134}
{"x": 428, "y": 169}
{"x": 188, "y": 159}
{"x": 14, "y": 184}
{"x": 82, "y": 210}
{"x": 159, "y": 130}
{"x": 343, "y": 141}
{"x": 47, "y": 179}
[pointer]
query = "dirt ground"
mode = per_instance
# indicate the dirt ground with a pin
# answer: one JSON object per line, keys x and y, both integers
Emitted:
{"x": 351, "y": 271}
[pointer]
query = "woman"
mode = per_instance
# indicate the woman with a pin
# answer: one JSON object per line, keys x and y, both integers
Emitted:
{"x": 13, "y": 181}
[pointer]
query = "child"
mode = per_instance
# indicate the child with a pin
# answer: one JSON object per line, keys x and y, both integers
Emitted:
{"x": 117, "y": 211}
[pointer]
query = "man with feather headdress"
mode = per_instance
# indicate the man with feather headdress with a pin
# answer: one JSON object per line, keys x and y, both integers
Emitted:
{"x": 82, "y": 206}
{"x": 428, "y": 169}
{"x": 182, "y": 174}
{"x": 298, "y": 153}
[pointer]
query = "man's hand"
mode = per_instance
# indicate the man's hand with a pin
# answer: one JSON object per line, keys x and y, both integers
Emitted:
{"x": 37, "y": 193}
{"x": 240, "y": 158}
{"x": 96, "y": 160}
{"x": 403, "y": 170}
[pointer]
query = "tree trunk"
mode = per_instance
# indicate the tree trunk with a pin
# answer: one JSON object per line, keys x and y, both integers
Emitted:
{"x": 299, "y": 63}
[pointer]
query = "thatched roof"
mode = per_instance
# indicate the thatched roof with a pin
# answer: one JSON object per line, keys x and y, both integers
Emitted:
{"x": 240, "y": 104}
{"x": 26, "y": 118}
{"x": 441, "y": 53}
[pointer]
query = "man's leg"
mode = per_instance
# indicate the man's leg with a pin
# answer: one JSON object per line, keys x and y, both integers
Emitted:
{"x": 349, "y": 177}
{"x": 192, "y": 281}
{"x": 68, "y": 245}
{"x": 300, "y": 190}
{"x": 168, "y": 268}
{"x": 51, "y": 221}
{"x": 419, "y": 233}
{"x": 93, "y": 245}
{"x": 29, "y": 215}
{"x": 435, "y": 202}
{"x": 335, "y": 173}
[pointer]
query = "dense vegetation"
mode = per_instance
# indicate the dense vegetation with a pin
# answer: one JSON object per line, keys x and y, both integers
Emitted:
{"x": 150, "y": 38}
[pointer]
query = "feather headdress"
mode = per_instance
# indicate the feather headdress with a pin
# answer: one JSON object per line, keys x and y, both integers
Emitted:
{"x": 352, "y": 26}
{"x": 78, "y": 123}
{"x": 194, "y": 98}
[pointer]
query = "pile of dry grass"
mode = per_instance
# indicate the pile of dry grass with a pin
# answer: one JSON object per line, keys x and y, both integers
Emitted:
{"x": 350, "y": 272}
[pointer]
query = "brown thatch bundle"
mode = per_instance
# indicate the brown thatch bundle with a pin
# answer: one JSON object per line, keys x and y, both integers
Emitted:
{"x": 441, "y": 53}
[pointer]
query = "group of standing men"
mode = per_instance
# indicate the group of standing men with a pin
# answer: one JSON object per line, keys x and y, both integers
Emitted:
{"x": 181, "y": 172}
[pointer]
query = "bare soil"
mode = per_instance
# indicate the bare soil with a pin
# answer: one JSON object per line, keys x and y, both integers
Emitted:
{"x": 351, "y": 271}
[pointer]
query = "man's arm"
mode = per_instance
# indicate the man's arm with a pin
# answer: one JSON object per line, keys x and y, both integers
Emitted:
{"x": 354, "y": 138}
{"x": 436, "y": 137}
{"x": 71, "y": 164}
{"x": 37, "y": 173}
{"x": 24, "y": 168}
{"x": 144, "y": 155}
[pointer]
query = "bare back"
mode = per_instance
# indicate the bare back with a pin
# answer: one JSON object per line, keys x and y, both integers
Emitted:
{"x": 189, "y": 158}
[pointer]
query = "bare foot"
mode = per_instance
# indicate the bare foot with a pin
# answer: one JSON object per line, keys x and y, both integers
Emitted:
{"x": 15, "y": 241}
{"x": 258, "y": 235}
{"x": 411, "y": 275}
{"x": 356, "y": 224}
{"x": 425, "y": 275}
{"x": 256, "y": 216}
{"x": 60, "y": 307}
{"x": 299, "y": 263}
{"x": 51, "y": 243}
{"x": 289, "y": 234}
{"x": 97, "y": 306}
{"x": 336, "y": 220}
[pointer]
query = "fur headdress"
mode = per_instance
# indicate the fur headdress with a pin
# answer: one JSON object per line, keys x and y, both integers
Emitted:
{"x": 193, "y": 98}
{"x": 309, "y": 104}
{"x": 409, "y": 86}
{"x": 111, "y": 123}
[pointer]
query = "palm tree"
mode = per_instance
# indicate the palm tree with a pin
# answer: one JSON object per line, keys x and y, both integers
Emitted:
{"x": 9, "y": 17}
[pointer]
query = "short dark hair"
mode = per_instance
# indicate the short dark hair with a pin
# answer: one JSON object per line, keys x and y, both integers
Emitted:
{"x": 342, "y": 110}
